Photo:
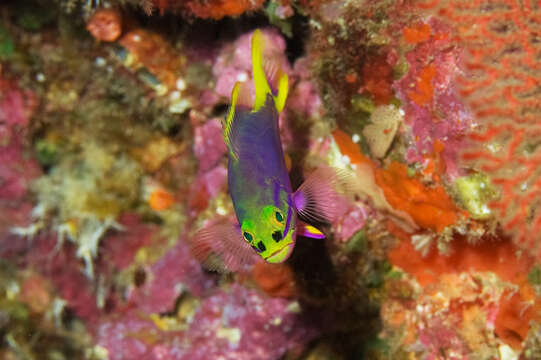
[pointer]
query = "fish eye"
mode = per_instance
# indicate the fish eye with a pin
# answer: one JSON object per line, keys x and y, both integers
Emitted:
{"x": 279, "y": 217}
{"x": 247, "y": 236}
{"x": 277, "y": 236}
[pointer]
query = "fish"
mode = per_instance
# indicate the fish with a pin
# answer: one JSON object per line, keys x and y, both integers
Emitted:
{"x": 270, "y": 214}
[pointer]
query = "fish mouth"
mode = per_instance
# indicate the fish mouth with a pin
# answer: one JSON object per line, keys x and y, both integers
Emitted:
{"x": 280, "y": 255}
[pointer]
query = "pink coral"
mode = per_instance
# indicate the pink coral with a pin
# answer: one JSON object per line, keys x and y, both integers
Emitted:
{"x": 161, "y": 290}
{"x": 64, "y": 271}
{"x": 351, "y": 221}
{"x": 304, "y": 98}
{"x": 267, "y": 327}
{"x": 158, "y": 294}
{"x": 440, "y": 339}
{"x": 119, "y": 248}
{"x": 209, "y": 146}
{"x": 128, "y": 336}
{"x": 432, "y": 106}
{"x": 13, "y": 214}
{"x": 16, "y": 105}
{"x": 17, "y": 169}
{"x": 206, "y": 186}
{"x": 237, "y": 323}
{"x": 501, "y": 87}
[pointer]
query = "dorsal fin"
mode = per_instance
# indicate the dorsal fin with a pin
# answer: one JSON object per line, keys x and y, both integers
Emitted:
{"x": 227, "y": 125}
{"x": 262, "y": 87}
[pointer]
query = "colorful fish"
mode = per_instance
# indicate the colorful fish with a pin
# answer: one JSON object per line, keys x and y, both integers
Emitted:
{"x": 267, "y": 209}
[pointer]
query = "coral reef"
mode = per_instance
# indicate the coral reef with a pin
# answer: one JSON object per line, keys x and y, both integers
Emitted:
{"x": 504, "y": 145}
{"x": 428, "y": 91}
{"x": 215, "y": 9}
{"x": 235, "y": 323}
{"x": 112, "y": 157}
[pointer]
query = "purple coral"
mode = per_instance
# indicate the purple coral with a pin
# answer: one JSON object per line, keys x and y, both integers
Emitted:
{"x": 11, "y": 215}
{"x": 119, "y": 248}
{"x": 64, "y": 270}
{"x": 266, "y": 327}
{"x": 168, "y": 277}
{"x": 439, "y": 338}
{"x": 432, "y": 106}
{"x": 16, "y": 168}
{"x": 304, "y": 96}
{"x": 351, "y": 221}
{"x": 209, "y": 146}
{"x": 129, "y": 336}
{"x": 236, "y": 323}
{"x": 16, "y": 105}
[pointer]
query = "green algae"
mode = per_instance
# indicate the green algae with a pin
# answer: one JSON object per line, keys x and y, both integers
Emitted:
{"x": 284, "y": 25}
{"x": 33, "y": 16}
{"x": 534, "y": 276}
{"x": 357, "y": 242}
{"x": 474, "y": 193}
{"x": 7, "y": 46}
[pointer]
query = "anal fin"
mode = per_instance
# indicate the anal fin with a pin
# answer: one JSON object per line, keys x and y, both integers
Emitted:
{"x": 306, "y": 230}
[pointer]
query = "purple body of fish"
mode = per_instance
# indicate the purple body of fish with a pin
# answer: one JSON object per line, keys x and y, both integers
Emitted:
{"x": 262, "y": 175}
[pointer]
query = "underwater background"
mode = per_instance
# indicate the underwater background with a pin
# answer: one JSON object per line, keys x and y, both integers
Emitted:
{"x": 112, "y": 157}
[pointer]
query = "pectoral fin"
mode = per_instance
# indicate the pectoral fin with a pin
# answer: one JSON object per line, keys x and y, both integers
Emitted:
{"x": 316, "y": 200}
{"x": 220, "y": 247}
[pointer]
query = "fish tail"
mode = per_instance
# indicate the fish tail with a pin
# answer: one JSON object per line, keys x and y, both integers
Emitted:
{"x": 262, "y": 87}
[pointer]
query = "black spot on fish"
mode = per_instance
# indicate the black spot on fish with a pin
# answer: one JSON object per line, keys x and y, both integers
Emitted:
{"x": 277, "y": 235}
{"x": 261, "y": 246}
